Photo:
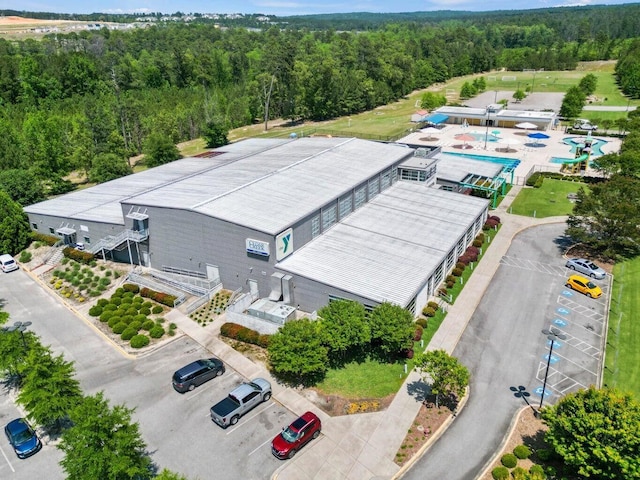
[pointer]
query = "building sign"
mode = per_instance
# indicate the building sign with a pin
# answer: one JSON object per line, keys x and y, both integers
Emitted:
{"x": 284, "y": 244}
{"x": 257, "y": 247}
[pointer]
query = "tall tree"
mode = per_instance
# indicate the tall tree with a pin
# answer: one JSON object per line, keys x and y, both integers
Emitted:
{"x": 108, "y": 166}
{"x": 103, "y": 443}
{"x": 444, "y": 373}
{"x": 22, "y": 186}
{"x": 345, "y": 326}
{"x": 15, "y": 233}
{"x": 596, "y": 432}
{"x": 159, "y": 149}
{"x": 49, "y": 391}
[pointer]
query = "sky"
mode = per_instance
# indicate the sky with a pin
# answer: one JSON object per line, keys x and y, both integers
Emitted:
{"x": 283, "y": 7}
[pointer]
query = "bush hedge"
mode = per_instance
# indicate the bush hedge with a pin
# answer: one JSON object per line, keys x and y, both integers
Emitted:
{"x": 139, "y": 341}
{"x": 78, "y": 255}
{"x": 130, "y": 287}
{"x": 148, "y": 324}
{"x": 156, "y": 332}
{"x": 428, "y": 312}
{"x": 118, "y": 328}
{"x": 156, "y": 309}
{"x": 128, "y": 334}
{"x": 244, "y": 334}
{"x": 522, "y": 452}
{"x": 105, "y": 316}
{"x": 520, "y": 473}
{"x": 44, "y": 238}
{"x": 536, "y": 472}
{"x": 509, "y": 460}
{"x": 95, "y": 311}
{"x": 163, "y": 298}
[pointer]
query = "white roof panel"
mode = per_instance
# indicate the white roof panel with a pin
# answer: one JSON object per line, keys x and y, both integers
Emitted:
{"x": 386, "y": 250}
{"x": 456, "y": 168}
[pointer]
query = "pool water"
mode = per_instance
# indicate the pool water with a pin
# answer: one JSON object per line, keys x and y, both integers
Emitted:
{"x": 510, "y": 163}
{"x": 561, "y": 160}
{"x": 480, "y": 137}
{"x": 596, "y": 145}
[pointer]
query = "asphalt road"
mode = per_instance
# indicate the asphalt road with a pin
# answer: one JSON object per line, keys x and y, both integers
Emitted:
{"x": 177, "y": 428}
{"x": 503, "y": 347}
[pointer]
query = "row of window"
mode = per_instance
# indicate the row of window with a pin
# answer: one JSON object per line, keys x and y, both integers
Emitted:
{"x": 52, "y": 231}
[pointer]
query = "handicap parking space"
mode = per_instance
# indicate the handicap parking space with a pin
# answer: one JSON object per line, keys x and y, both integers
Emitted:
{"x": 576, "y": 358}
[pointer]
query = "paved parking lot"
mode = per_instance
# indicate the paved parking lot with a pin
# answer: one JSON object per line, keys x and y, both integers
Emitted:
{"x": 176, "y": 427}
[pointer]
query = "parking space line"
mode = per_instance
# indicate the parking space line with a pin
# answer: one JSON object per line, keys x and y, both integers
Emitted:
{"x": 260, "y": 446}
{"x": 7, "y": 459}
{"x": 249, "y": 418}
{"x": 525, "y": 264}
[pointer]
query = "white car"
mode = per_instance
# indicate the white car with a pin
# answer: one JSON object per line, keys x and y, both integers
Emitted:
{"x": 584, "y": 125}
{"x": 7, "y": 263}
{"x": 587, "y": 267}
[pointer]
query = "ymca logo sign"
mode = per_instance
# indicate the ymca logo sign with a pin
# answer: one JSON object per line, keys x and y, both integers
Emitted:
{"x": 284, "y": 244}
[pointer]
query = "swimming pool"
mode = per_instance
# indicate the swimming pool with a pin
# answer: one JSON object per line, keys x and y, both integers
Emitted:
{"x": 596, "y": 145}
{"x": 510, "y": 163}
{"x": 561, "y": 160}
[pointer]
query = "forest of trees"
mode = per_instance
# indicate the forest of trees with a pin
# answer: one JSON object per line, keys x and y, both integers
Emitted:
{"x": 89, "y": 101}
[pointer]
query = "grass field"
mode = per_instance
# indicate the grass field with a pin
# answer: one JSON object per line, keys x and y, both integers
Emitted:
{"x": 622, "y": 361}
{"x": 549, "y": 200}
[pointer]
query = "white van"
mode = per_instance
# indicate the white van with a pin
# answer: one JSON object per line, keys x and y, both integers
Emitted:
{"x": 7, "y": 263}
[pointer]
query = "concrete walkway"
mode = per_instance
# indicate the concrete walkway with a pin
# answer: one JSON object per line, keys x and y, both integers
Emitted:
{"x": 363, "y": 446}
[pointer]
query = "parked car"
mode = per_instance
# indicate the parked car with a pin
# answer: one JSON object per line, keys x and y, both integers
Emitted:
{"x": 22, "y": 438}
{"x": 242, "y": 399}
{"x": 582, "y": 285}
{"x": 196, "y": 373}
{"x": 581, "y": 124}
{"x": 587, "y": 267}
{"x": 7, "y": 263}
{"x": 297, "y": 435}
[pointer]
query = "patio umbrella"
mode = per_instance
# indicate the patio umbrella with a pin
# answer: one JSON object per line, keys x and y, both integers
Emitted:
{"x": 431, "y": 131}
{"x": 526, "y": 126}
{"x": 538, "y": 136}
{"x": 509, "y": 142}
{"x": 496, "y": 132}
{"x": 465, "y": 137}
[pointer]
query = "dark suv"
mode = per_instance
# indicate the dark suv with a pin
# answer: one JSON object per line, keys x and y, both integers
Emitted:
{"x": 196, "y": 373}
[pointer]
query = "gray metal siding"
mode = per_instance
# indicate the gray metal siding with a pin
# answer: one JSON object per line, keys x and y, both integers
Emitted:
{"x": 96, "y": 230}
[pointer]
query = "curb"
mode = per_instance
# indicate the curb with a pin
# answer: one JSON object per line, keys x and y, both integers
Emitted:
{"x": 433, "y": 439}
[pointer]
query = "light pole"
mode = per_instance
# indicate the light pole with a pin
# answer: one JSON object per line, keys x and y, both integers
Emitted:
{"x": 486, "y": 133}
{"x": 20, "y": 327}
{"x": 552, "y": 335}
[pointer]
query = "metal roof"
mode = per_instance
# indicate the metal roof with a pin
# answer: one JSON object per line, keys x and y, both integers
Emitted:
{"x": 455, "y": 168}
{"x": 264, "y": 184}
{"x": 386, "y": 250}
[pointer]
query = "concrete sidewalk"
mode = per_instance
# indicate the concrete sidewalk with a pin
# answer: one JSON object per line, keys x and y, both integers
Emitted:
{"x": 363, "y": 446}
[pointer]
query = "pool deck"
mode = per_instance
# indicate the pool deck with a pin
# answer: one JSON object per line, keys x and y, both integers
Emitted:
{"x": 529, "y": 156}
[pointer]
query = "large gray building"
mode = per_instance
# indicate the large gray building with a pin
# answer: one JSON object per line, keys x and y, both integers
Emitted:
{"x": 300, "y": 221}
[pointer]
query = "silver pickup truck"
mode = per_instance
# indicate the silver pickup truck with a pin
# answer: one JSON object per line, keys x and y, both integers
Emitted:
{"x": 242, "y": 399}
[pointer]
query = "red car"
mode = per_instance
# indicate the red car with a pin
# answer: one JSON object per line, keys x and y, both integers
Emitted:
{"x": 296, "y": 435}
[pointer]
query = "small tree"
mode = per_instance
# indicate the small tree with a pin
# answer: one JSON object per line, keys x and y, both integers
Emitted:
{"x": 519, "y": 95}
{"x": 431, "y": 100}
{"x": 588, "y": 84}
{"x": 345, "y": 327}
{"x": 215, "y": 134}
{"x": 468, "y": 90}
{"x": 297, "y": 352}
{"x": 597, "y": 433}
{"x": 445, "y": 373}
{"x": 159, "y": 149}
{"x": 103, "y": 443}
{"x": 15, "y": 234}
{"x": 169, "y": 475}
{"x": 392, "y": 329}
{"x": 107, "y": 166}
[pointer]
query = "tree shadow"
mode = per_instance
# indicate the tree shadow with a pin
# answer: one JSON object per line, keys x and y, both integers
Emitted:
{"x": 563, "y": 242}
{"x": 419, "y": 390}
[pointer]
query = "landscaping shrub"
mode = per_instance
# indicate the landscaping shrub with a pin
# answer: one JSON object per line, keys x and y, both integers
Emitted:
{"x": 145, "y": 311}
{"x": 139, "y": 341}
{"x": 148, "y": 324}
{"x": 156, "y": 332}
{"x": 450, "y": 278}
{"x": 130, "y": 287}
{"x": 509, "y": 460}
{"x": 500, "y": 473}
{"x": 495, "y": 218}
{"x": 433, "y": 305}
{"x": 450, "y": 284}
{"x": 163, "y": 298}
{"x": 543, "y": 454}
{"x": 409, "y": 353}
{"x": 105, "y": 316}
{"x": 480, "y": 237}
{"x": 110, "y": 307}
{"x": 113, "y": 321}
{"x": 477, "y": 243}
{"x": 140, "y": 317}
{"x": 417, "y": 336}
{"x": 533, "y": 179}
{"x": 239, "y": 332}
{"x": 25, "y": 257}
{"x": 423, "y": 321}
{"x": 95, "y": 311}
{"x": 135, "y": 325}
{"x": 464, "y": 259}
{"x": 520, "y": 473}
{"x": 119, "y": 328}
{"x": 119, "y": 292}
{"x": 536, "y": 472}
{"x": 131, "y": 311}
{"x": 248, "y": 336}
{"x": 128, "y": 334}
{"x": 104, "y": 281}
{"x": 129, "y": 295}
{"x": 124, "y": 300}
{"x": 263, "y": 341}
{"x": 472, "y": 250}
{"x": 457, "y": 272}
{"x": 460, "y": 265}
{"x": 156, "y": 309}
{"x": 522, "y": 452}
{"x": 48, "y": 239}
{"x": 77, "y": 255}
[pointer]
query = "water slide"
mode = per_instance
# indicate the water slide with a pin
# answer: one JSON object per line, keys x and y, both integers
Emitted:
{"x": 582, "y": 158}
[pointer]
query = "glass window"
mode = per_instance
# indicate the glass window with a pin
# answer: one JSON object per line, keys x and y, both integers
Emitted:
{"x": 328, "y": 217}
{"x": 51, "y": 230}
{"x": 345, "y": 206}
{"x": 361, "y": 196}
{"x": 315, "y": 226}
{"x": 34, "y": 225}
{"x": 87, "y": 240}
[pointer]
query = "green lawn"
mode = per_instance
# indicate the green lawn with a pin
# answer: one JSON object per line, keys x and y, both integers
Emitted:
{"x": 622, "y": 361}
{"x": 549, "y": 200}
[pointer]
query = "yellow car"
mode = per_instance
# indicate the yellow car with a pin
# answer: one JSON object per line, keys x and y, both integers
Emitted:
{"x": 582, "y": 285}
